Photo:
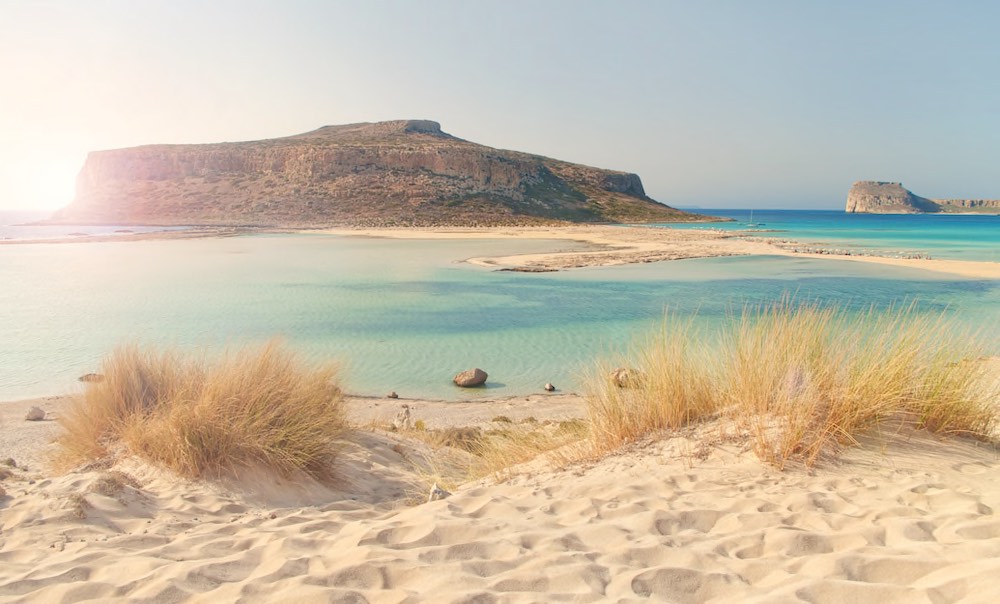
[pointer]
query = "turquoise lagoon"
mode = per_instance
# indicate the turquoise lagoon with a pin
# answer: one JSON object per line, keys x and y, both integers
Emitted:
{"x": 401, "y": 315}
{"x": 950, "y": 236}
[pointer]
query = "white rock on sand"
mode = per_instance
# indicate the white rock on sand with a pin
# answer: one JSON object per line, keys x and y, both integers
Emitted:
{"x": 913, "y": 519}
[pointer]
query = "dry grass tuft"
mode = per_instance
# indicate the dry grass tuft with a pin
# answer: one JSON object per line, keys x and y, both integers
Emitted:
{"x": 77, "y": 505}
{"x": 499, "y": 451}
{"x": 675, "y": 390}
{"x": 255, "y": 408}
{"x": 471, "y": 453}
{"x": 804, "y": 380}
{"x": 113, "y": 483}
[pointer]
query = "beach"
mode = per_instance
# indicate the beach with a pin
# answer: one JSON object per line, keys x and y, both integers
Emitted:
{"x": 689, "y": 516}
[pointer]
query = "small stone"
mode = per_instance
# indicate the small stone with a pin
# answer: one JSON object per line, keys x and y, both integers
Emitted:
{"x": 35, "y": 414}
{"x": 437, "y": 493}
{"x": 549, "y": 387}
{"x": 9, "y": 462}
{"x": 91, "y": 377}
{"x": 392, "y": 394}
{"x": 471, "y": 378}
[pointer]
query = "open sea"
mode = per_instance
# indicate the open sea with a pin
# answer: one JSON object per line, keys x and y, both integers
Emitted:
{"x": 408, "y": 315}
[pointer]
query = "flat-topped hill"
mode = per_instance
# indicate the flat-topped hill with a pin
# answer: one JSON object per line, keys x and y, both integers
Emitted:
{"x": 874, "y": 197}
{"x": 398, "y": 173}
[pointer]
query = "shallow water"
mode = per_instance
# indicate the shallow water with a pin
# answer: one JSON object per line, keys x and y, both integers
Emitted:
{"x": 959, "y": 237}
{"x": 18, "y": 226}
{"x": 399, "y": 315}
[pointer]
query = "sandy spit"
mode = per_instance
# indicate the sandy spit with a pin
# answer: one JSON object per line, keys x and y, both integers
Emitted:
{"x": 691, "y": 518}
{"x": 616, "y": 245}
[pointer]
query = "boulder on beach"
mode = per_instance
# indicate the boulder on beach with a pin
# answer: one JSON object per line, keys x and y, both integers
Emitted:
{"x": 35, "y": 414}
{"x": 626, "y": 377}
{"x": 471, "y": 378}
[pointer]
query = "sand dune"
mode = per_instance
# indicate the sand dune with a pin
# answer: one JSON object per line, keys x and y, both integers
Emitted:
{"x": 691, "y": 518}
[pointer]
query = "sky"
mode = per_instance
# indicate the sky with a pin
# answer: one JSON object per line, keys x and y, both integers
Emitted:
{"x": 714, "y": 103}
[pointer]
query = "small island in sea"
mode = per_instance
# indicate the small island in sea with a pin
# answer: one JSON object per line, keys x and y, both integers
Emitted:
{"x": 876, "y": 197}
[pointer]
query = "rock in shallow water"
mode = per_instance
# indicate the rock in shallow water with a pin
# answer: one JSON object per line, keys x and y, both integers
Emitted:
{"x": 471, "y": 378}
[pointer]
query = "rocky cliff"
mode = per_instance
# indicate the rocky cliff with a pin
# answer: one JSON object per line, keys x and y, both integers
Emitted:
{"x": 383, "y": 174}
{"x": 892, "y": 198}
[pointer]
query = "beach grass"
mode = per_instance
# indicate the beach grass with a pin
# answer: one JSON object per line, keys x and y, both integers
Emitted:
{"x": 801, "y": 380}
{"x": 500, "y": 450}
{"x": 257, "y": 407}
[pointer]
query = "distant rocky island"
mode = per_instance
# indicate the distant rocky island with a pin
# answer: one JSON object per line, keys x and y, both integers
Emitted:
{"x": 873, "y": 197}
{"x": 398, "y": 173}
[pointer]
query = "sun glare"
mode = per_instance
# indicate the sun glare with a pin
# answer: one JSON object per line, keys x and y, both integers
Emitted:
{"x": 30, "y": 185}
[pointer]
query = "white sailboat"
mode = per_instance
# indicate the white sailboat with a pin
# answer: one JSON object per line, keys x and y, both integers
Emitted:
{"x": 751, "y": 223}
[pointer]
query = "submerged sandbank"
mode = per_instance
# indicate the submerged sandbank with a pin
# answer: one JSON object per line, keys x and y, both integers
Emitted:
{"x": 618, "y": 245}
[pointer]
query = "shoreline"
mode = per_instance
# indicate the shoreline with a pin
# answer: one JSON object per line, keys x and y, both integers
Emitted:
{"x": 361, "y": 411}
{"x": 619, "y": 245}
{"x": 613, "y": 245}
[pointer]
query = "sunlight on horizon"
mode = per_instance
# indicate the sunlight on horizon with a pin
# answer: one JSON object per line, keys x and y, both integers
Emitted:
{"x": 37, "y": 185}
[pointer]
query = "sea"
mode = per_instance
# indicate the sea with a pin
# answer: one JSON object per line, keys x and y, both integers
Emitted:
{"x": 407, "y": 315}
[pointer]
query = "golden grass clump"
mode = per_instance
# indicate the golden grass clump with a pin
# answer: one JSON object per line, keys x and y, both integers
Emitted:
{"x": 496, "y": 451}
{"x": 255, "y": 408}
{"x": 802, "y": 380}
{"x": 667, "y": 384}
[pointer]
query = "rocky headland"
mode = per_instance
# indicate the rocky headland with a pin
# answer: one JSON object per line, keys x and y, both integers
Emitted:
{"x": 398, "y": 173}
{"x": 873, "y": 197}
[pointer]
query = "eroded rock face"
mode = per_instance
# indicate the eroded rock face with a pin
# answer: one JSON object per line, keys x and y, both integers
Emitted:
{"x": 875, "y": 197}
{"x": 886, "y": 198}
{"x": 398, "y": 173}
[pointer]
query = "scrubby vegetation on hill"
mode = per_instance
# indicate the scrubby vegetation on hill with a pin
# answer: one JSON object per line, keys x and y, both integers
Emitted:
{"x": 387, "y": 174}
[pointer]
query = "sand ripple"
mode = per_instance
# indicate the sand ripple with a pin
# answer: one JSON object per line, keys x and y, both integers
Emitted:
{"x": 912, "y": 522}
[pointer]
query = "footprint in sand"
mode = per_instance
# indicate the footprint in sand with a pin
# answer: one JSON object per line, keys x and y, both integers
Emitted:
{"x": 971, "y": 468}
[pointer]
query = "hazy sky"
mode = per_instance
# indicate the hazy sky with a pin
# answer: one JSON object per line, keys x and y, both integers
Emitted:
{"x": 714, "y": 103}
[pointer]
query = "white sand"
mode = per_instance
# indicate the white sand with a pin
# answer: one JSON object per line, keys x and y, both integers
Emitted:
{"x": 692, "y": 518}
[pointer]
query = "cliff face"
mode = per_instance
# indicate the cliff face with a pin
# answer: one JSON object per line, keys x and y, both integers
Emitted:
{"x": 383, "y": 174}
{"x": 891, "y": 198}
{"x": 885, "y": 198}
